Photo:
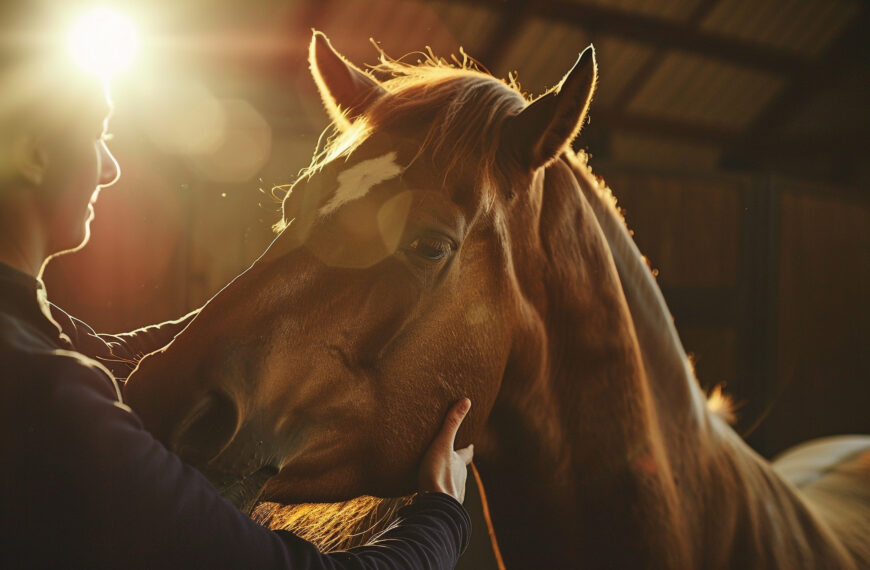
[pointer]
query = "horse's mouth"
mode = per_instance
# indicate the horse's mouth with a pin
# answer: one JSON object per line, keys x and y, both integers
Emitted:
{"x": 245, "y": 492}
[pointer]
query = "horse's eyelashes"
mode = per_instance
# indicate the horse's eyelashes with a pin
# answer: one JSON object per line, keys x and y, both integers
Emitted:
{"x": 430, "y": 248}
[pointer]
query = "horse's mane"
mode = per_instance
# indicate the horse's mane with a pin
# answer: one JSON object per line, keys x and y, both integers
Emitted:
{"x": 641, "y": 275}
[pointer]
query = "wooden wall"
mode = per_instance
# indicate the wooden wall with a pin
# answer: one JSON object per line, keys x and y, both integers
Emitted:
{"x": 823, "y": 322}
{"x": 767, "y": 281}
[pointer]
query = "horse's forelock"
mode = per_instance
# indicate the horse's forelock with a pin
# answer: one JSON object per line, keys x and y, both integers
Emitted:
{"x": 461, "y": 110}
{"x": 458, "y": 110}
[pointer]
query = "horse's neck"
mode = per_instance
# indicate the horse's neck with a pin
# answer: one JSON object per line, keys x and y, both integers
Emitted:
{"x": 667, "y": 367}
{"x": 614, "y": 457}
{"x": 682, "y": 406}
{"x": 582, "y": 456}
{"x": 687, "y": 429}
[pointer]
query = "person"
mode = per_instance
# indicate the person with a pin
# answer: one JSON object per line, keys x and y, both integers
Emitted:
{"x": 83, "y": 484}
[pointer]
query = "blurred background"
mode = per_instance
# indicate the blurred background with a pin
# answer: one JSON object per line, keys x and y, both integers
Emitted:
{"x": 733, "y": 132}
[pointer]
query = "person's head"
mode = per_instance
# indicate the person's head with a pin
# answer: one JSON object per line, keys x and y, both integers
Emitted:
{"x": 53, "y": 156}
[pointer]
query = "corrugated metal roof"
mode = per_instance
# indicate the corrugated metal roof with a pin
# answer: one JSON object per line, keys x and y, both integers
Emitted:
{"x": 472, "y": 26}
{"x": 618, "y": 63}
{"x": 542, "y": 52}
{"x": 400, "y": 28}
{"x": 803, "y": 26}
{"x": 696, "y": 89}
{"x": 676, "y": 94}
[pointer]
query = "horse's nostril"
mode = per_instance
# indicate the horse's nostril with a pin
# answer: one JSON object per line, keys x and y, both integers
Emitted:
{"x": 207, "y": 430}
{"x": 268, "y": 471}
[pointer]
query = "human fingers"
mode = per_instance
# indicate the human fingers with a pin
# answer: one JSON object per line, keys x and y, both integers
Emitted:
{"x": 446, "y": 438}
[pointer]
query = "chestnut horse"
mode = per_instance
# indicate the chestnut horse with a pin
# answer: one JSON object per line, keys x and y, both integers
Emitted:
{"x": 447, "y": 242}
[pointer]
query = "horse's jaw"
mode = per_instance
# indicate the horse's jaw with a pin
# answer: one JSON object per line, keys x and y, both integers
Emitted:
{"x": 245, "y": 492}
{"x": 337, "y": 480}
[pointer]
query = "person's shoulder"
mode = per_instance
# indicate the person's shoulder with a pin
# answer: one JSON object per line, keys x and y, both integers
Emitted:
{"x": 20, "y": 336}
{"x": 33, "y": 366}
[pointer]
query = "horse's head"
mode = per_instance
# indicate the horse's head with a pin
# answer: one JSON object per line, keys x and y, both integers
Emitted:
{"x": 392, "y": 290}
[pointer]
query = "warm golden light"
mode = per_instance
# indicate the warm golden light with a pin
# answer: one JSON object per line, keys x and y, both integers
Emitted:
{"x": 104, "y": 42}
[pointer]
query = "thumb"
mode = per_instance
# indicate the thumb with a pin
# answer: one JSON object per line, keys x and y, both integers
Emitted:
{"x": 446, "y": 438}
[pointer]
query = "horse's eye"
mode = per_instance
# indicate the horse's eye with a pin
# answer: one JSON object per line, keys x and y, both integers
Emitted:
{"x": 430, "y": 248}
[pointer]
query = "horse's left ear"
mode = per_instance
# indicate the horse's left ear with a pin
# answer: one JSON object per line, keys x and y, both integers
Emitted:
{"x": 345, "y": 89}
{"x": 541, "y": 131}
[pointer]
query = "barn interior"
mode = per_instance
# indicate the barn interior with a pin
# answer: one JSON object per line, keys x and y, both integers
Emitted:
{"x": 733, "y": 132}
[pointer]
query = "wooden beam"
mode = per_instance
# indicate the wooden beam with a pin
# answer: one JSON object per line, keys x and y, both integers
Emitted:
{"x": 615, "y": 119}
{"x": 854, "y": 145}
{"x": 660, "y": 33}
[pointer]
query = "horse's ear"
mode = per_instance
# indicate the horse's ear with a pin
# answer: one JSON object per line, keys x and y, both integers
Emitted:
{"x": 540, "y": 132}
{"x": 346, "y": 90}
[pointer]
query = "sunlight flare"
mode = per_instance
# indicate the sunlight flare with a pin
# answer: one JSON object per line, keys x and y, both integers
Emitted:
{"x": 104, "y": 42}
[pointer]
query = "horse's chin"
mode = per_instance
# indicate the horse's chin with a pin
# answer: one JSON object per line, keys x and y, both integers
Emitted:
{"x": 246, "y": 492}
{"x": 289, "y": 491}
{"x": 332, "y": 488}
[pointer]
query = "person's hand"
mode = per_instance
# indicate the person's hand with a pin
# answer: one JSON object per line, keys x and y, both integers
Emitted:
{"x": 443, "y": 469}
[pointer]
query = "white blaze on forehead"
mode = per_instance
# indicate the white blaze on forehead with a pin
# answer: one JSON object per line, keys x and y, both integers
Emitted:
{"x": 356, "y": 181}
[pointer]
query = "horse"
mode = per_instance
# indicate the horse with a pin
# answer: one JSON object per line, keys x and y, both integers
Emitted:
{"x": 447, "y": 241}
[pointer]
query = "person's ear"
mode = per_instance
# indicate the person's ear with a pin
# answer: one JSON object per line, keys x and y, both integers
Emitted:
{"x": 29, "y": 159}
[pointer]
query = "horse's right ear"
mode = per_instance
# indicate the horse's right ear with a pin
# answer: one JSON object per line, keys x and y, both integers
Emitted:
{"x": 345, "y": 89}
{"x": 540, "y": 132}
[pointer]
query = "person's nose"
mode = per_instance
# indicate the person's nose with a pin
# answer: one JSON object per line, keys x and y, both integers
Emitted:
{"x": 109, "y": 169}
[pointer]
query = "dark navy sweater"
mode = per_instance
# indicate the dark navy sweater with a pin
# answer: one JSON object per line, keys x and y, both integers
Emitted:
{"x": 84, "y": 485}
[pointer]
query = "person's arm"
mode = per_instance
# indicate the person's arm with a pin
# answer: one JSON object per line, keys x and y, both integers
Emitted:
{"x": 158, "y": 512}
{"x": 119, "y": 352}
